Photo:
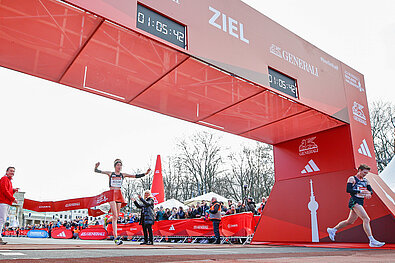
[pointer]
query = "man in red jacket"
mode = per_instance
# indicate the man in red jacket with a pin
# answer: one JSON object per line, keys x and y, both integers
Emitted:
{"x": 6, "y": 197}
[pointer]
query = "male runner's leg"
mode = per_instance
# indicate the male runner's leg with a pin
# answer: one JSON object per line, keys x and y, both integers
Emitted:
{"x": 349, "y": 221}
{"x": 360, "y": 211}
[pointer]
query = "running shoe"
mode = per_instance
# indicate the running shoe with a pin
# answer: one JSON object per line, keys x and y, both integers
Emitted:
{"x": 332, "y": 233}
{"x": 375, "y": 243}
{"x": 118, "y": 241}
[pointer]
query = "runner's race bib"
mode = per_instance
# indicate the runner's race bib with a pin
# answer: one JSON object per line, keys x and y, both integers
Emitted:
{"x": 116, "y": 182}
{"x": 361, "y": 188}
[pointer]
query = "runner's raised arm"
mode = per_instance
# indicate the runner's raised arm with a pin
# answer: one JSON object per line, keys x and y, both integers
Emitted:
{"x": 137, "y": 175}
{"x": 99, "y": 171}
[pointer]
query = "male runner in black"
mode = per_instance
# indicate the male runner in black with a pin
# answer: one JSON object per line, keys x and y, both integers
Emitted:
{"x": 359, "y": 189}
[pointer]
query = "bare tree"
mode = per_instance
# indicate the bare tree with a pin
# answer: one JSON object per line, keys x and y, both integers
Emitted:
{"x": 200, "y": 157}
{"x": 382, "y": 120}
{"x": 173, "y": 178}
{"x": 130, "y": 188}
{"x": 252, "y": 173}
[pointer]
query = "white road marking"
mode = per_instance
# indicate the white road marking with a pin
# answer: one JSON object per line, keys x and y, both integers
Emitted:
{"x": 12, "y": 254}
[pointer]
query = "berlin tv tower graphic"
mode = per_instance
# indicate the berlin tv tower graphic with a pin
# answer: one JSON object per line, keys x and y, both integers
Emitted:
{"x": 313, "y": 207}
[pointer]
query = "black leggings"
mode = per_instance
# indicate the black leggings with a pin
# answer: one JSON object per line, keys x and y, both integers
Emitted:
{"x": 148, "y": 229}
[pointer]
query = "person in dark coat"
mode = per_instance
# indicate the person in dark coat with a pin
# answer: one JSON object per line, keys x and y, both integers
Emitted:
{"x": 250, "y": 206}
{"x": 147, "y": 217}
{"x": 215, "y": 217}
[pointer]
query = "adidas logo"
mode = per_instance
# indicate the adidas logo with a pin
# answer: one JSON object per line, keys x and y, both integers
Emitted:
{"x": 364, "y": 149}
{"x": 172, "y": 228}
{"x": 310, "y": 167}
{"x": 61, "y": 234}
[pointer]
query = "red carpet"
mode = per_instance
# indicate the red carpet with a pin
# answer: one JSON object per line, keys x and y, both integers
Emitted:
{"x": 327, "y": 245}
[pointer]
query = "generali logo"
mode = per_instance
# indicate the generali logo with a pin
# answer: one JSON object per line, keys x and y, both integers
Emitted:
{"x": 172, "y": 228}
{"x": 72, "y": 204}
{"x": 310, "y": 167}
{"x": 96, "y": 234}
{"x": 155, "y": 200}
{"x": 364, "y": 149}
{"x": 200, "y": 227}
{"x": 308, "y": 146}
{"x": 358, "y": 113}
{"x": 62, "y": 234}
{"x": 234, "y": 225}
{"x": 294, "y": 60}
{"x": 353, "y": 80}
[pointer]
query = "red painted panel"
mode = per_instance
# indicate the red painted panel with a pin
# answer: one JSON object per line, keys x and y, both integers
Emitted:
{"x": 299, "y": 125}
{"x": 194, "y": 91}
{"x": 322, "y": 152}
{"x": 42, "y": 37}
{"x": 259, "y": 110}
{"x": 286, "y": 216}
{"x": 119, "y": 63}
{"x": 359, "y": 118}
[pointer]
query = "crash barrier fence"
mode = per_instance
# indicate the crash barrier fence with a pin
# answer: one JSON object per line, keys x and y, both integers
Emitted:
{"x": 238, "y": 227}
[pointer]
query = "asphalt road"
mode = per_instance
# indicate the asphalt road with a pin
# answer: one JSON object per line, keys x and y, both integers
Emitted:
{"x": 55, "y": 250}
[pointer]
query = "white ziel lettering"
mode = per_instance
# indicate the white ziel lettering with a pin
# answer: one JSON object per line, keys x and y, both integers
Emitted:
{"x": 229, "y": 25}
{"x": 233, "y": 27}
{"x": 214, "y": 17}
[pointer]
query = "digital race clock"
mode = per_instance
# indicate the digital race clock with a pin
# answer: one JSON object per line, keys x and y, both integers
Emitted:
{"x": 283, "y": 83}
{"x": 161, "y": 26}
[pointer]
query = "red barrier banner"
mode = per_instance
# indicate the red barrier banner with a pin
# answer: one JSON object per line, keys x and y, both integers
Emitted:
{"x": 240, "y": 225}
{"x": 61, "y": 233}
{"x": 23, "y": 232}
{"x": 73, "y": 204}
{"x": 93, "y": 234}
{"x": 132, "y": 229}
{"x": 232, "y": 225}
{"x": 9, "y": 233}
{"x": 95, "y": 212}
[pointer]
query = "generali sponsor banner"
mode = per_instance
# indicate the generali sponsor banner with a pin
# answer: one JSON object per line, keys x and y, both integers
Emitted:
{"x": 72, "y": 204}
{"x": 61, "y": 233}
{"x": 93, "y": 234}
{"x": 231, "y": 225}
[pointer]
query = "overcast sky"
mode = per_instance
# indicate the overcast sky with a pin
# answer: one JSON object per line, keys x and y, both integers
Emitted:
{"x": 54, "y": 134}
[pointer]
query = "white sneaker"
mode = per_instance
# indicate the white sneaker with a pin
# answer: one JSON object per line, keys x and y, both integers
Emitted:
{"x": 332, "y": 233}
{"x": 375, "y": 243}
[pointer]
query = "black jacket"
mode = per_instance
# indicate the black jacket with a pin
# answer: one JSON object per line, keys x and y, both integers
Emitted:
{"x": 251, "y": 207}
{"x": 147, "y": 216}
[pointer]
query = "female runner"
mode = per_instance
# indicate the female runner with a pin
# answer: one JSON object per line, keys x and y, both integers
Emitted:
{"x": 115, "y": 183}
